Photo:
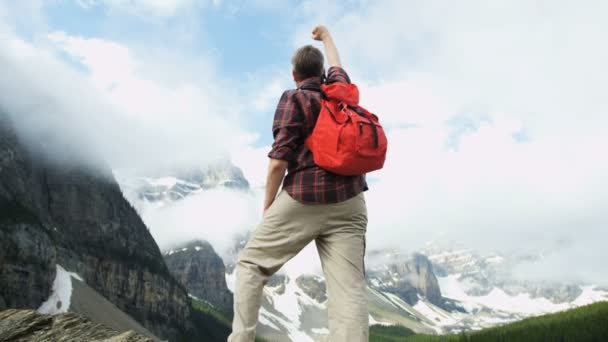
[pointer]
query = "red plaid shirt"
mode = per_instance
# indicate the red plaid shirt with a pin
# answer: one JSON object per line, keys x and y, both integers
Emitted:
{"x": 294, "y": 120}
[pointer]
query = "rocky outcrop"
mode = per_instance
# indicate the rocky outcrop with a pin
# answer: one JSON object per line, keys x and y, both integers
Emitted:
{"x": 197, "y": 266}
{"x": 58, "y": 213}
{"x": 408, "y": 279}
{"x": 27, "y": 325}
{"x": 278, "y": 281}
{"x": 86, "y": 302}
{"x": 313, "y": 286}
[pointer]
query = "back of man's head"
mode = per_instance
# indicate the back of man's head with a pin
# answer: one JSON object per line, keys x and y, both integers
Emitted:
{"x": 307, "y": 62}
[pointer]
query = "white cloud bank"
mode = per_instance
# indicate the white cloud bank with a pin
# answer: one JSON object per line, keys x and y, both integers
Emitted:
{"x": 497, "y": 117}
{"x": 101, "y": 99}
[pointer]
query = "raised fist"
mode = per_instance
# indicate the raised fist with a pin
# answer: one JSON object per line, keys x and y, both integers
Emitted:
{"x": 320, "y": 33}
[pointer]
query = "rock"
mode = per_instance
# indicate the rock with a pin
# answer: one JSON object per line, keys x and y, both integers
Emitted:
{"x": 313, "y": 286}
{"x": 27, "y": 325}
{"x": 86, "y": 302}
{"x": 201, "y": 271}
{"x": 408, "y": 279}
{"x": 278, "y": 282}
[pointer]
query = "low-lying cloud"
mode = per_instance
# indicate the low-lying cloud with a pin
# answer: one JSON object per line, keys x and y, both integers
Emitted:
{"x": 122, "y": 109}
{"x": 217, "y": 215}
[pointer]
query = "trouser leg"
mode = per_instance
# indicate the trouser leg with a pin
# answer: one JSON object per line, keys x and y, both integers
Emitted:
{"x": 342, "y": 249}
{"x": 287, "y": 228}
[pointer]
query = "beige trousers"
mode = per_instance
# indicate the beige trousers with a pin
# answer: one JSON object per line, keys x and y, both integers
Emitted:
{"x": 287, "y": 227}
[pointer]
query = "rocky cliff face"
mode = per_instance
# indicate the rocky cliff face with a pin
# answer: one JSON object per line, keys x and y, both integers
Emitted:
{"x": 202, "y": 272}
{"x": 408, "y": 279}
{"x": 313, "y": 286}
{"x": 27, "y": 325}
{"x": 53, "y": 214}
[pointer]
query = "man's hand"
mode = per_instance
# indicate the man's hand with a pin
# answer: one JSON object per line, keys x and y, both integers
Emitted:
{"x": 320, "y": 33}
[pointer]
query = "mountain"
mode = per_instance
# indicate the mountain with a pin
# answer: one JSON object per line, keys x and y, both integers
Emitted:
{"x": 435, "y": 290}
{"x": 489, "y": 294}
{"x": 408, "y": 279}
{"x": 294, "y": 307}
{"x": 480, "y": 275}
{"x": 157, "y": 189}
{"x": 201, "y": 271}
{"x": 424, "y": 293}
{"x": 55, "y": 213}
{"x": 483, "y": 273}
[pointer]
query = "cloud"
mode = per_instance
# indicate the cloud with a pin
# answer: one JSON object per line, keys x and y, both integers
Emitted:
{"x": 253, "y": 161}
{"x": 540, "y": 62}
{"x": 155, "y": 8}
{"x": 495, "y": 111}
{"x": 219, "y": 216}
{"x": 209, "y": 215}
{"x": 495, "y": 114}
{"x": 105, "y": 100}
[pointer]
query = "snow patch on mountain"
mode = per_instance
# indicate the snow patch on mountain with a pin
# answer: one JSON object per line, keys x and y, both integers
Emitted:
{"x": 289, "y": 303}
{"x": 433, "y": 313}
{"x": 230, "y": 281}
{"x": 590, "y": 295}
{"x": 269, "y": 319}
{"x": 60, "y": 299}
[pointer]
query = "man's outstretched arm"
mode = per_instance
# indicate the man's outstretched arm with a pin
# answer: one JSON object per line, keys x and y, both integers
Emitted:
{"x": 322, "y": 33}
{"x": 276, "y": 172}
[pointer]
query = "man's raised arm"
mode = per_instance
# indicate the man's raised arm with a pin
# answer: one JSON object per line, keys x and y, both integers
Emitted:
{"x": 321, "y": 33}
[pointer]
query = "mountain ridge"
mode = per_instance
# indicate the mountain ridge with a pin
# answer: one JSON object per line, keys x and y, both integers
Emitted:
{"x": 63, "y": 213}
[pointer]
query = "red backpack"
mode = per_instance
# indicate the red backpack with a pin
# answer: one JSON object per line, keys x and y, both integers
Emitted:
{"x": 347, "y": 139}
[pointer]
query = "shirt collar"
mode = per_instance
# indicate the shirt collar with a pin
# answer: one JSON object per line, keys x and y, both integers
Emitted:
{"x": 314, "y": 82}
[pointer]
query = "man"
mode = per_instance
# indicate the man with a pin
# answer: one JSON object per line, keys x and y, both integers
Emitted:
{"x": 314, "y": 204}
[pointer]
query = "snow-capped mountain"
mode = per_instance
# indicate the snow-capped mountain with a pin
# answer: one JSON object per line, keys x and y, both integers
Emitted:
{"x": 406, "y": 291}
{"x": 161, "y": 188}
{"x": 434, "y": 290}
{"x": 294, "y": 308}
{"x": 481, "y": 274}
{"x": 484, "y": 286}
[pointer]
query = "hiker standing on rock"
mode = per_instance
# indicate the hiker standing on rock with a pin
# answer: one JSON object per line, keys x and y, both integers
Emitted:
{"x": 313, "y": 204}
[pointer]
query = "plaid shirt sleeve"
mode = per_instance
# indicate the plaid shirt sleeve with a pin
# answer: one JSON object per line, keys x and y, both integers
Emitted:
{"x": 337, "y": 74}
{"x": 287, "y": 127}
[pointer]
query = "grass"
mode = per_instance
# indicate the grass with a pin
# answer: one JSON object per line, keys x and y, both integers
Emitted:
{"x": 587, "y": 323}
{"x": 390, "y": 333}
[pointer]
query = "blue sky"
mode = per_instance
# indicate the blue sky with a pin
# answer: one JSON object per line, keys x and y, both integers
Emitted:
{"x": 240, "y": 39}
{"x": 227, "y": 33}
{"x": 495, "y": 111}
